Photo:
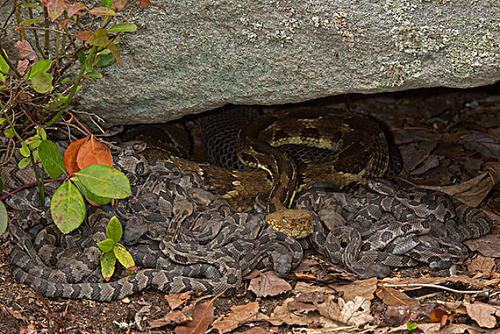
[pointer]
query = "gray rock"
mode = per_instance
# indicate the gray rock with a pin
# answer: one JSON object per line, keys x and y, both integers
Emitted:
{"x": 203, "y": 54}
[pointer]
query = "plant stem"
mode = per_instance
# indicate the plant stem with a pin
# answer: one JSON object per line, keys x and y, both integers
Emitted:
{"x": 19, "y": 20}
{"x": 37, "y": 40}
{"x": 39, "y": 182}
{"x": 73, "y": 90}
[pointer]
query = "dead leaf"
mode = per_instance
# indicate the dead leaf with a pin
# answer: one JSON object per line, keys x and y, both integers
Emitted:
{"x": 432, "y": 328}
{"x": 393, "y": 297}
{"x": 306, "y": 302}
{"x": 70, "y": 155}
{"x": 282, "y": 315}
{"x": 322, "y": 271}
{"x": 203, "y": 316}
{"x": 484, "y": 314}
{"x": 486, "y": 144}
{"x": 93, "y": 152}
{"x": 354, "y": 312}
{"x": 437, "y": 315}
{"x": 268, "y": 284}
{"x": 473, "y": 191}
{"x": 260, "y": 330}
{"x": 177, "y": 299}
{"x": 396, "y": 315}
{"x": 488, "y": 245}
{"x": 363, "y": 288}
{"x": 174, "y": 318}
{"x": 481, "y": 264}
{"x": 240, "y": 315}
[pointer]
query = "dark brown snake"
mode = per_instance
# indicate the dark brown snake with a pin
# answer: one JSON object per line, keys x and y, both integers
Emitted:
{"x": 191, "y": 239}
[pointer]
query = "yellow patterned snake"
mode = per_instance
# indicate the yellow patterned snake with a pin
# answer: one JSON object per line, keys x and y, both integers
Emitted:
{"x": 357, "y": 145}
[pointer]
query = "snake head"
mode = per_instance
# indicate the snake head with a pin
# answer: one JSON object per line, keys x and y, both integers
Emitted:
{"x": 293, "y": 222}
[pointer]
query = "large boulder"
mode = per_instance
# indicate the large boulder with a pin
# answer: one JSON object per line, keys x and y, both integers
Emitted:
{"x": 199, "y": 55}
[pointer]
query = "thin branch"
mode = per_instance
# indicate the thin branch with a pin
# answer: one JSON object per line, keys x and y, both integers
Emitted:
{"x": 435, "y": 286}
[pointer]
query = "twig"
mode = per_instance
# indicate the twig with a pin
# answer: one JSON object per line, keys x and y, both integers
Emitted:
{"x": 435, "y": 286}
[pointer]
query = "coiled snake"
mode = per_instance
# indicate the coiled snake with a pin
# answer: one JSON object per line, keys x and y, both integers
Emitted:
{"x": 186, "y": 238}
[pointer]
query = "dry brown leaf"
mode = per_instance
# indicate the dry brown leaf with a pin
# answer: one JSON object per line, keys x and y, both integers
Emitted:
{"x": 489, "y": 245}
{"x": 485, "y": 315}
{"x": 393, "y": 297}
{"x": 432, "y": 328}
{"x": 177, "y": 299}
{"x": 240, "y": 315}
{"x": 203, "y": 316}
{"x": 323, "y": 271}
{"x": 306, "y": 302}
{"x": 260, "y": 330}
{"x": 473, "y": 191}
{"x": 481, "y": 264}
{"x": 268, "y": 284}
{"x": 92, "y": 152}
{"x": 282, "y": 315}
{"x": 354, "y": 312}
{"x": 173, "y": 318}
{"x": 437, "y": 315}
{"x": 400, "y": 314}
{"x": 363, "y": 288}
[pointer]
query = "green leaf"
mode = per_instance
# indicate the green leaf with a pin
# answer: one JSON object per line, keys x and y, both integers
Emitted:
{"x": 2, "y": 120}
{"x": 9, "y": 133}
{"x": 52, "y": 159}
{"x": 104, "y": 181}
{"x": 105, "y": 60}
{"x": 108, "y": 261}
{"x": 40, "y": 67}
{"x": 124, "y": 257}
{"x": 24, "y": 150}
{"x": 106, "y": 245}
{"x": 42, "y": 82}
{"x": 31, "y": 5}
{"x": 88, "y": 195}
{"x": 63, "y": 81}
{"x": 23, "y": 163}
{"x": 4, "y": 67}
{"x": 41, "y": 132}
{"x": 89, "y": 64}
{"x": 412, "y": 327}
{"x": 93, "y": 75}
{"x": 123, "y": 27}
{"x": 81, "y": 57}
{"x": 107, "y": 3}
{"x": 67, "y": 207}
{"x": 4, "y": 219}
{"x": 29, "y": 22}
{"x": 34, "y": 142}
{"x": 102, "y": 11}
{"x": 114, "y": 230}
{"x": 99, "y": 38}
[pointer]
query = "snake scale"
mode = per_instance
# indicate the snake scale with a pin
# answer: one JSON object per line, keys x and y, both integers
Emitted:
{"x": 184, "y": 237}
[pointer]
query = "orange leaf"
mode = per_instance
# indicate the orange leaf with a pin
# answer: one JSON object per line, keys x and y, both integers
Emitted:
{"x": 203, "y": 316}
{"x": 70, "y": 155}
{"x": 94, "y": 152}
{"x": 437, "y": 315}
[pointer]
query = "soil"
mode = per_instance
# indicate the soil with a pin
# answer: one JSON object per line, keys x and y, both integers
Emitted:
{"x": 23, "y": 310}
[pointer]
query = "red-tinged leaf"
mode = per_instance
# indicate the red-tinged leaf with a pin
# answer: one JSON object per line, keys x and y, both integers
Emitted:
{"x": 64, "y": 23}
{"x": 75, "y": 8}
{"x": 145, "y": 2}
{"x": 84, "y": 35}
{"x": 115, "y": 52}
{"x": 70, "y": 155}
{"x": 94, "y": 152}
{"x": 99, "y": 38}
{"x": 102, "y": 11}
{"x": 119, "y": 4}
{"x": 55, "y": 8}
{"x": 437, "y": 315}
{"x": 25, "y": 50}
